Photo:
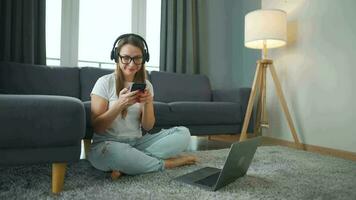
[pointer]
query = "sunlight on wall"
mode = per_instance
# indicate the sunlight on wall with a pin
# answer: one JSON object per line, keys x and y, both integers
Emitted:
{"x": 316, "y": 71}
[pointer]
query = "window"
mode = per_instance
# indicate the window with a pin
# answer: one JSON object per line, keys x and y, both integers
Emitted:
{"x": 99, "y": 25}
{"x": 153, "y": 27}
{"x": 53, "y": 31}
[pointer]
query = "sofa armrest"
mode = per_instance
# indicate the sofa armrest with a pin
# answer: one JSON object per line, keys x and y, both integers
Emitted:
{"x": 241, "y": 96}
{"x": 244, "y": 95}
{"x": 40, "y": 121}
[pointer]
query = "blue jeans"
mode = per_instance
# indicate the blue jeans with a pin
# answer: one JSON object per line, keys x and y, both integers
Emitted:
{"x": 141, "y": 155}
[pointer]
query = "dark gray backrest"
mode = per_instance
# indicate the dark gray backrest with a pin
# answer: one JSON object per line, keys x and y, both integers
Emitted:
{"x": 88, "y": 78}
{"x": 170, "y": 87}
{"x": 16, "y": 78}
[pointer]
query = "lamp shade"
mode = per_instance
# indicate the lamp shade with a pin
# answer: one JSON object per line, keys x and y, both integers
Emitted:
{"x": 267, "y": 27}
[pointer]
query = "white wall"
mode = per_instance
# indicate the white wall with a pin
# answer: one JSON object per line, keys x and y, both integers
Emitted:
{"x": 316, "y": 70}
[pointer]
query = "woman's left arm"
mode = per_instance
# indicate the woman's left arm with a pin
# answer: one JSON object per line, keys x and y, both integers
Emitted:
{"x": 148, "y": 116}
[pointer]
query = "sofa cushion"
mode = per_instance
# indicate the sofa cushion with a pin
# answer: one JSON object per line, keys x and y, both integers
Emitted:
{"x": 40, "y": 121}
{"x": 204, "y": 129}
{"x": 87, "y": 107}
{"x": 208, "y": 113}
{"x": 171, "y": 87}
{"x": 88, "y": 77}
{"x": 162, "y": 113}
{"x": 161, "y": 107}
{"x": 16, "y": 78}
{"x": 197, "y": 113}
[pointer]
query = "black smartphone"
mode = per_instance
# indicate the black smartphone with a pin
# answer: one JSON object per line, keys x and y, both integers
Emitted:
{"x": 138, "y": 86}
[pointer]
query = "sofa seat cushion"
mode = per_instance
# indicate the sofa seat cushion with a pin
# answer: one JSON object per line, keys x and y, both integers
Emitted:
{"x": 197, "y": 113}
{"x": 161, "y": 107}
{"x": 87, "y": 107}
{"x": 162, "y": 113}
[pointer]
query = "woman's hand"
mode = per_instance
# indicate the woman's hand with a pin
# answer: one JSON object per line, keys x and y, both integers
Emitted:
{"x": 102, "y": 116}
{"x": 145, "y": 97}
{"x": 126, "y": 98}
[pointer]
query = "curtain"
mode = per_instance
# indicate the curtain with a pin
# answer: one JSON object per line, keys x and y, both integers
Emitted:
{"x": 180, "y": 42}
{"x": 22, "y": 31}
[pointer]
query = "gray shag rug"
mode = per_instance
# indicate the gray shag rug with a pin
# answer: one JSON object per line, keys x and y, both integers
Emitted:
{"x": 275, "y": 173}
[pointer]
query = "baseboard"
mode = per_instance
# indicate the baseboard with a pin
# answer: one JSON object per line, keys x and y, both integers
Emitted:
{"x": 224, "y": 137}
{"x": 312, "y": 148}
{"x": 274, "y": 141}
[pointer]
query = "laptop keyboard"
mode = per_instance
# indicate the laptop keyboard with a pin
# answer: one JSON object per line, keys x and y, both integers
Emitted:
{"x": 209, "y": 180}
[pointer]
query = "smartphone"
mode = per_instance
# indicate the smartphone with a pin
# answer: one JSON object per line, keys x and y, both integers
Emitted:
{"x": 138, "y": 86}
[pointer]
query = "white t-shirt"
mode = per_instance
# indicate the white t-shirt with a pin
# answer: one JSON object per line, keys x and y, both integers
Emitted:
{"x": 130, "y": 126}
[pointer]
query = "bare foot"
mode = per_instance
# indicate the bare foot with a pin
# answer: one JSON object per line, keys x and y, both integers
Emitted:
{"x": 115, "y": 175}
{"x": 180, "y": 161}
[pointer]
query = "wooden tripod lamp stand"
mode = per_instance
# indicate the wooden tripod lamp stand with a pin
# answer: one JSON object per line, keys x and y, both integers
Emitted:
{"x": 265, "y": 29}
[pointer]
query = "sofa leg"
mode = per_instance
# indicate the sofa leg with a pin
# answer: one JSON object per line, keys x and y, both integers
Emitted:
{"x": 87, "y": 143}
{"x": 58, "y": 172}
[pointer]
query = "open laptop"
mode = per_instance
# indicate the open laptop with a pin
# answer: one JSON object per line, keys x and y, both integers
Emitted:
{"x": 236, "y": 165}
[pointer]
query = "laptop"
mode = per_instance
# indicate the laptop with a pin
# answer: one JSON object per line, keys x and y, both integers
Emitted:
{"x": 236, "y": 165}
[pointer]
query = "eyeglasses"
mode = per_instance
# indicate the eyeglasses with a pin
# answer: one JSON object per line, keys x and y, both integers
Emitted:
{"x": 127, "y": 59}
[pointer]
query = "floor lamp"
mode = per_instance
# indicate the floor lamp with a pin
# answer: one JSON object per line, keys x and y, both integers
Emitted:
{"x": 265, "y": 29}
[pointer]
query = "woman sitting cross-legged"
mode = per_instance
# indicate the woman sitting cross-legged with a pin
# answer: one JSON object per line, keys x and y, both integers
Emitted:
{"x": 118, "y": 115}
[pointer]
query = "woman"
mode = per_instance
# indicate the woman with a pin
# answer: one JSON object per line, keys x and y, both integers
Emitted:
{"x": 118, "y": 115}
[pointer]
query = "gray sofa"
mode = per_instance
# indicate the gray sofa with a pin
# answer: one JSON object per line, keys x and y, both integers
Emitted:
{"x": 188, "y": 100}
{"x": 45, "y": 111}
{"x": 183, "y": 100}
{"x": 42, "y": 118}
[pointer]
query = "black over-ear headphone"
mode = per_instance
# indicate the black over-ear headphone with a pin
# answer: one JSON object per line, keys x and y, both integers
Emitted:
{"x": 115, "y": 54}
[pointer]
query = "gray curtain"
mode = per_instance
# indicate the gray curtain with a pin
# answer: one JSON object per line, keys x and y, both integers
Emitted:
{"x": 180, "y": 42}
{"x": 22, "y": 31}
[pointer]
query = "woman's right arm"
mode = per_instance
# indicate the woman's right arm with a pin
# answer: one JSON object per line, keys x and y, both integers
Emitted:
{"x": 101, "y": 115}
